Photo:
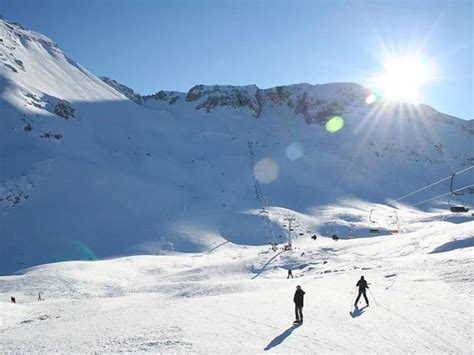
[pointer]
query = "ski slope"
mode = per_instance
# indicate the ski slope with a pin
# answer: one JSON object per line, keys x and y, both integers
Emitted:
{"x": 236, "y": 299}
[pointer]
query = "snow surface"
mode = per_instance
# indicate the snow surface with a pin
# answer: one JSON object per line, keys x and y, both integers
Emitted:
{"x": 236, "y": 299}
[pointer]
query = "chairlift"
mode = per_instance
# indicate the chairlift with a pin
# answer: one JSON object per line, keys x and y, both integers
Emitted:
{"x": 393, "y": 226}
{"x": 455, "y": 205}
{"x": 374, "y": 226}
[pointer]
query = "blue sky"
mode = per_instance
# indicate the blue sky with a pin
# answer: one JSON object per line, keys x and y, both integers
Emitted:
{"x": 151, "y": 45}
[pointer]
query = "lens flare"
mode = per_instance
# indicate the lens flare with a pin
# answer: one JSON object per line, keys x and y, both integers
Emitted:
{"x": 334, "y": 124}
{"x": 266, "y": 171}
{"x": 369, "y": 100}
{"x": 294, "y": 151}
{"x": 83, "y": 251}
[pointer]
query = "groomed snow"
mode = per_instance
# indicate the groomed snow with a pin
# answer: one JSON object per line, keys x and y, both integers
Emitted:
{"x": 237, "y": 299}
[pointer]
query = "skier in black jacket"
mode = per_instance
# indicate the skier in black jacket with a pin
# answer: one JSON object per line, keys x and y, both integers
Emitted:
{"x": 298, "y": 299}
{"x": 362, "y": 284}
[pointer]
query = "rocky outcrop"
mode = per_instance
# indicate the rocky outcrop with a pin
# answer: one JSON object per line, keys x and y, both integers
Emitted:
{"x": 170, "y": 97}
{"x": 123, "y": 89}
{"x": 63, "y": 109}
{"x": 312, "y": 102}
{"x": 209, "y": 98}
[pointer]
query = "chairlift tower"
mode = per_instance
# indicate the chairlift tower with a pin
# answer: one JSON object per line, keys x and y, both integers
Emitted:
{"x": 289, "y": 220}
{"x": 263, "y": 202}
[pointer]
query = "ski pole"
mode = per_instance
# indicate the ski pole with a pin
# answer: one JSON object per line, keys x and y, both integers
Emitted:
{"x": 373, "y": 297}
{"x": 354, "y": 296}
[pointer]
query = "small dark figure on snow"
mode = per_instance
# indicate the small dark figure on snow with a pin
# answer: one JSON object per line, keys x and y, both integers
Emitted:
{"x": 12, "y": 299}
{"x": 362, "y": 284}
{"x": 290, "y": 274}
{"x": 298, "y": 299}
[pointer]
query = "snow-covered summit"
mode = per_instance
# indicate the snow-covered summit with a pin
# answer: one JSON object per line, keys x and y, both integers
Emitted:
{"x": 34, "y": 63}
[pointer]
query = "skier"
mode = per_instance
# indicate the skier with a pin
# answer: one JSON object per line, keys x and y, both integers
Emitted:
{"x": 290, "y": 274}
{"x": 362, "y": 284}
{"x": 298, "y": 299}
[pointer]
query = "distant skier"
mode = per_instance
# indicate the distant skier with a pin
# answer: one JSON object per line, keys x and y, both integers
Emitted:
{"x": 298, "y": 299}
{"x": 290, "y": 274}
{"x": 362, "y": 284}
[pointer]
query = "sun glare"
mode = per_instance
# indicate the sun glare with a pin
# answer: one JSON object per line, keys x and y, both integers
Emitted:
{"x": 403, "y": 79}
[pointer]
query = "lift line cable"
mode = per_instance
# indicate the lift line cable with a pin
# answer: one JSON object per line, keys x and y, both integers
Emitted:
{"x": 433, "y": 184}
{"x": 448, "y": 193}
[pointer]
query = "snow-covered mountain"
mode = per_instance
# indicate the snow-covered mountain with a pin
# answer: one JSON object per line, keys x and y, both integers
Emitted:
{"x": 85, "y": 172}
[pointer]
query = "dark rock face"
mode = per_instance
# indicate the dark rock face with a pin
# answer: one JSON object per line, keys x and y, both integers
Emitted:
{"x": 168, "y": 96}
{"x": 209, "y": 98}
{"x": 64, "y": 109}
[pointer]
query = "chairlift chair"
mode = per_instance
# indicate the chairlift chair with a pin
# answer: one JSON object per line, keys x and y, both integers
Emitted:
{"x": 374, "y": 226}
{"x": 458, "y": 209}
{"x": 455, "y": 205}
{"x": 393, "y": 226}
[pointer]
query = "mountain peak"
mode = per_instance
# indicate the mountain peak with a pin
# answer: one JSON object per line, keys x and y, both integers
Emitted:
{"x": 32, "y": 63}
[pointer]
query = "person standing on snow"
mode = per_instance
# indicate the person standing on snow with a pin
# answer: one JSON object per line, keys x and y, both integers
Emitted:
{"x": 290, "y": 274}
{"x": 298, "y": 299}
{"x": 362, "y": 284}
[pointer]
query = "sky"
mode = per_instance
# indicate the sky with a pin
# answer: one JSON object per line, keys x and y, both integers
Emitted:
{"x": 153, "y": 45}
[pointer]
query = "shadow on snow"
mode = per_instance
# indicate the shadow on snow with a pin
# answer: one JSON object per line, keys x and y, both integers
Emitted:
{"x": 281, "y": 338}
{"x": 357, "y": 311}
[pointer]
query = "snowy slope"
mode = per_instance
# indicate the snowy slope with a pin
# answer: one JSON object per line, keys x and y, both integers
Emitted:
{"x": 35, "y": 64}
{"x": 86, "y": 173}
{"x": 237, "y": 299}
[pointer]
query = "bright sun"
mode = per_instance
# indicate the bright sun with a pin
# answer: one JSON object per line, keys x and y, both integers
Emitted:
{"x": 403, "y": 79}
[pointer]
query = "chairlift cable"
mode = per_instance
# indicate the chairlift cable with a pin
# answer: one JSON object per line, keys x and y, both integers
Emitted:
{"x": 431, "y": 185}
{"x": 445, "y": 194}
